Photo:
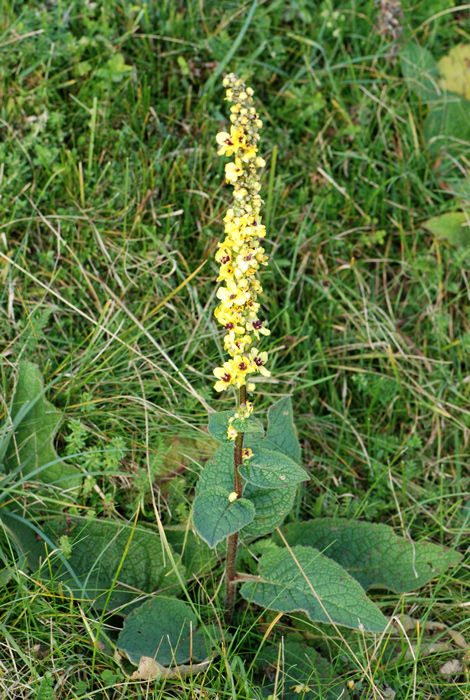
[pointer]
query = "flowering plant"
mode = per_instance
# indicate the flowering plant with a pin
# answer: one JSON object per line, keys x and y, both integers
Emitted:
{"x": 258, "y": 472}
{"x": 247, "y": 489}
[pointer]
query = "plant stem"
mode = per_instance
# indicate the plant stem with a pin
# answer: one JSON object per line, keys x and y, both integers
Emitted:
{"x": 232, "y": 542}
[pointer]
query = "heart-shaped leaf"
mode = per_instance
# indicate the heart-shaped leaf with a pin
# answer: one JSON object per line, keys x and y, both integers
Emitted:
{"x": 272, "y": 470}
{"x": 304, "y": 580}
{"x": 215, "y": 517}
{"x": 372, "y": 553}
{"x": 166, "y": 630}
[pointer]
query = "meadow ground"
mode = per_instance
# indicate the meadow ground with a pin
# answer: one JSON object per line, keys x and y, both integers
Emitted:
{"x": 112, "y": 199}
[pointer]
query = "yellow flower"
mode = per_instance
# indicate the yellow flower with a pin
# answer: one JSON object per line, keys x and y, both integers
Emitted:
{"x": 245, "y": 261}
{"x": 230, "y": 143}
{"x": 222, "y": 256}
{"x": 231, "y": 433}
{"x": 235, "y": 346}
{"x": 249, "y": 154}
{"x": 231, "y": 294}
{"x": 257, "y": 327}
{"x": 226, "y": 144}
{"x": 225, "y": 375}
{"x": 230, "y": 322}
{"x": 233, "y": 496}
{"x": 226, "y": 272}
{"x": 232, "y": 172}
{"x": 258, "y": 360}
{"x": 247, "y": 453}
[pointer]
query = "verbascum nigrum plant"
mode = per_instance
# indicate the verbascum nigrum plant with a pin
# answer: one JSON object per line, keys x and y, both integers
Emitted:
{"x": 247, "y": 489}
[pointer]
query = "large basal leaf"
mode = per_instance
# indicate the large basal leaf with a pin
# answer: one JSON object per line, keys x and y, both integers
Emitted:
{"x": 271, "y": 505}
{"x": 453, "y": 226}
{"x": 272, "y": 470}
{"x": 196, "y": 556}
{"x": 286, "y": 585}
{"x": 372, "y": 553}
{"x": 31, "y": 446}
{"x": 281, "y": 434}
{"x": 303, "y": 672}
{"x": 98, "y": 548}
{"x": 164, "y": 629}
{"x": 219, "y": 422}
{"x": 420, "y": 71}
{"x": 215, "y": 517}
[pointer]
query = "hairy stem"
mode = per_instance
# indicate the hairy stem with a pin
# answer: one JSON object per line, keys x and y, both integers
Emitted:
{"x": 232, "y": 542}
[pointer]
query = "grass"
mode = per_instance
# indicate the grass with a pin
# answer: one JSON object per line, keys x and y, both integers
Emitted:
{"x": 112, "y": 203}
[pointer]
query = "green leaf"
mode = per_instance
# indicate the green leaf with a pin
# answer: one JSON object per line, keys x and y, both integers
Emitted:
{"x": 420, "y": 71}
{"x": 447, "y": 127}
{"x": 372, "y": 553}
{"x": 164, "y": 629}
{"x": 218, "y": 470}
{"x": 215, "y": 517}
{"x": 98, "y": 550}
{"x": 196, "y": 557}
{"x": 453, "y": 226}
{"x": 272, "y": 470}
{"x": 36, "y": 422}
{"x": 286, "y": 586}
{"x": 281, "y": 434}
{"x": 271, "y": 505}
{"x": 219, "y": 422}
{"x": 24, "y": 537}
{"x": 303, "y": 673}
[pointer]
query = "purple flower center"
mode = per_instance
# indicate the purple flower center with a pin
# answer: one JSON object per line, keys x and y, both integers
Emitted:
{"x": 242, "y": 366}
{"x": 257, "y": 325}
{"x": 229, "y": 326}
{"x": 226, "y": 377}
{"x": 259, "y": 362}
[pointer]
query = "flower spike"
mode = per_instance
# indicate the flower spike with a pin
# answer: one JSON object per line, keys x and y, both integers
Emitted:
{"x": 240, "y": 254}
